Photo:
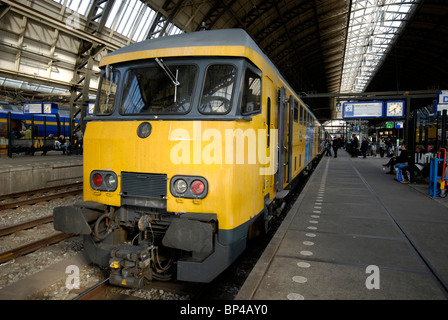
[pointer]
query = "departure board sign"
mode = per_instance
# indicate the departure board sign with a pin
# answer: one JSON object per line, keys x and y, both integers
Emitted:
{"x": 32, "y": 107}
{"x": 363, "y": 109}
{"x": 39, "y": 107}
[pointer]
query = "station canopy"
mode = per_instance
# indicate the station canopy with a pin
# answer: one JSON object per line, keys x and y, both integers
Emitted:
{"x": 130, "y": 18}
{"x": 373, "y": 27}
{"x": 323, "y": 48}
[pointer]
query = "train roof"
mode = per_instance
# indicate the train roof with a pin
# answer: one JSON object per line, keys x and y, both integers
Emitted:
{"x": 163, "y": 46}
{"x": 210, "y": 42}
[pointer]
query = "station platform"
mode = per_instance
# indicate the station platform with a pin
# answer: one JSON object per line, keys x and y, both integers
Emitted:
{"x": 24, "y": 172}
{"x": 355, "y": 233}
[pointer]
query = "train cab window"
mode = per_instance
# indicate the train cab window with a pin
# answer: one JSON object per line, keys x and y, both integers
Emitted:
{"x": 108, "y": 90}
{"x": 219, "y": 86}
{"x": 296, "y": 111}
{"x": 301, "y": 114}
{"x": 159, "y": 89}
{"x": 251, "y": 102}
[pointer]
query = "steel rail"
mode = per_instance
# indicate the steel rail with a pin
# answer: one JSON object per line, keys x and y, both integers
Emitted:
{"x": 28, "y": 248}
{"x": 25, "y": 225}
{"x": 25, "y": 193}
{"x": 39, "y": 199}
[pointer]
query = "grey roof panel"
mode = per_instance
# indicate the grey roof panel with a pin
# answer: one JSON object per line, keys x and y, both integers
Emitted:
{"x": 222, "y": 37}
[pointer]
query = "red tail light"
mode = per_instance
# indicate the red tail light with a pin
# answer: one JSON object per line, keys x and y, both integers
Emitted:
{"x": 97, "y": 179}
{"x": 197, "y": 187}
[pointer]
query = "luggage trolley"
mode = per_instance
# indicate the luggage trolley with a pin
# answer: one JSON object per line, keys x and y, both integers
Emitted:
{"x": 438, "y": 176}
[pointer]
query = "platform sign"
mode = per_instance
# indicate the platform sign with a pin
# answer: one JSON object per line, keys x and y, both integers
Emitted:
{"x": 364, "y": 109}
{"x": 50, "y": 108}
{"x": 30, "y": 107}
{"x": 91, "y": 108}
{"x": 442, "y": 101}
{"x": 443, "y": 97}
{"x": 389, "y": 125}
{"x": 399, "y": 125}
{"x": 40, "y": 107}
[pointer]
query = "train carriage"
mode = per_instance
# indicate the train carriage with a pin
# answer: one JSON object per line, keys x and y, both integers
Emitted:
{"x": 44, "y": 125}
{"x": 196, "y": 139}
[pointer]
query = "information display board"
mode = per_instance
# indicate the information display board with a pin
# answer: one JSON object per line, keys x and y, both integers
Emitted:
{"x": 40, "y": 107}
{"x": 363, "y": 109}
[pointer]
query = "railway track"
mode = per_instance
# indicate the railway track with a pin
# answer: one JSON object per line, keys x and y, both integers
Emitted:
{"x": 105, "y": 291}
{"x": 39, "y": 196}
{"x": 28, "y": 248}
{"x": 26, "y": 225}
{"x": 33, "y": 246}
{"x": 21, "y": 202}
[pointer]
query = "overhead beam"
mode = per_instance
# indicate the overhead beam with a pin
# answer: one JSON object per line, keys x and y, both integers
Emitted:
{"x": 378, "y": 95}
{"x": 53, "y": 23}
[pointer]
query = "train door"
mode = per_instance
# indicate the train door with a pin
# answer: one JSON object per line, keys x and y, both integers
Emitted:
{"x": 290, "y": 136}
{"x": 283, "y": 140}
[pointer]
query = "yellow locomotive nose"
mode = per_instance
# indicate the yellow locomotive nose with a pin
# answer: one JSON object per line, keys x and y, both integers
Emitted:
{"x": 193, "y": 140}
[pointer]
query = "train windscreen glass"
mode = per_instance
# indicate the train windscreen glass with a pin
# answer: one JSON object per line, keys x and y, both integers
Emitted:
{"x": 108, "y": 90}
{"x": 151, "y": 90}
{"x": 218, "y": 89}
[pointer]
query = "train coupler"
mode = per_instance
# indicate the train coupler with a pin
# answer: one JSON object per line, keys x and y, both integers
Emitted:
{"x": 130, "y": 265}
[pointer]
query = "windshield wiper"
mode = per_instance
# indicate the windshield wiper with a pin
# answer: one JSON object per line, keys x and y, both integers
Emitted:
{"x": 170, "y": 75}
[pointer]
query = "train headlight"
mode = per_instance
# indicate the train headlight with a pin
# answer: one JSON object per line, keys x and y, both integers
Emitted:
{"x": 180, "y": 186}
{"x": 144, "y": 130}
{"x": 110, "y": 181}
{"x": 197, "y": 187}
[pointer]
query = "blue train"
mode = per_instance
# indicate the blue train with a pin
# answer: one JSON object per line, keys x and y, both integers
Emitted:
{"x": 46, "y": 127}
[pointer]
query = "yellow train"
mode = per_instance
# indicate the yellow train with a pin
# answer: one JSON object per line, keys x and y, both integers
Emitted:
{"x": 195, "y": 141}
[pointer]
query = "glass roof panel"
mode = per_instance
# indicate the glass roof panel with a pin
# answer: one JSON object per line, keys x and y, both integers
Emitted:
{"x": 373, "y": 27}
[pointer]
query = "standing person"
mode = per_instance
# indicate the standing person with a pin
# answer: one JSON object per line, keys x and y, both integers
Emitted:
{"x": 337, "y": 143}
{"x": 78, "y": 144}
{"x": 354, "y": 145}
{"x": 364, "y": 146}
{"x": 389, "y": 147}
{"x": 328, "y": 147}
{"x": 382, "y": 147}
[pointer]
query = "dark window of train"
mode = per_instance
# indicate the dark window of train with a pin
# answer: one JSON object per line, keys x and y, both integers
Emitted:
{"x": 296, "y": 111}
{"x": 268, "y": 120}
{"x": 251, "y": 102}
{"x": 301, "y": 114}
{"x": 150, "y": 90}
{"x": 217, "y": 93}
{"x": 107, "y": 93}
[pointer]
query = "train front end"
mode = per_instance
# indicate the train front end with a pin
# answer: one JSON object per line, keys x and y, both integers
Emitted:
{"x": 171, "y": 178}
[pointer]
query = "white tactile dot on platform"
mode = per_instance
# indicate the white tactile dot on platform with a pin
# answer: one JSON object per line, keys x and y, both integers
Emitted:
{"x": 306, "y": 253}
{"x": 308, "y": 243}
{"x": 302, "y": 264}
{"x": 311, "y": 235}
{"x": 295, "y": 296}
{"x": 299, "y": 279}
{"x": 311, "y": 228}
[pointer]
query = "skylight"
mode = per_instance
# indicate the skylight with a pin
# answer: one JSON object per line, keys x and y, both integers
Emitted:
{"x": 374, "y": 26}
{"x": 130, "y": 18}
